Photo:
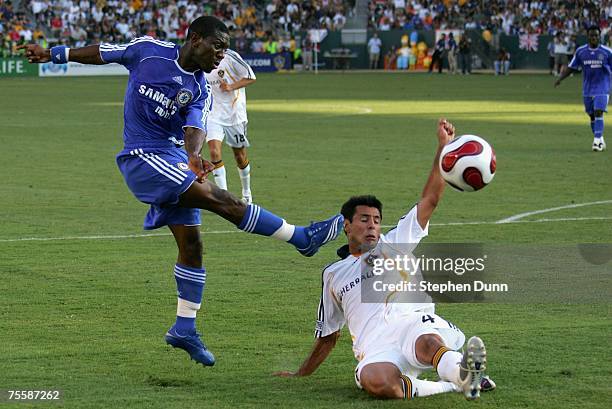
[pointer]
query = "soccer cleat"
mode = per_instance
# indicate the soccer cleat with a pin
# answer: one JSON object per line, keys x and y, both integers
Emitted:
{"x": 472, "y": 368}
{"x": 487, "y": 384}
{"x": 247, "y": 199}
{"x": 192, "y": 344}
{"x": 599, "y": 145}
{"x": 320, "y": 233}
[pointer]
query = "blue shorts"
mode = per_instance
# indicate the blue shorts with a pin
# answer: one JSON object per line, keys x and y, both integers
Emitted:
{"x": 596, "y": 103}
{"x": 158, "y": 177}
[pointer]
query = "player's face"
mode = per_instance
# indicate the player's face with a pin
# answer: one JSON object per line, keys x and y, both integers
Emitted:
{"x": 209, "y": 51}
{"x": 363, "y": 231}
{"x": 593, "y": 38}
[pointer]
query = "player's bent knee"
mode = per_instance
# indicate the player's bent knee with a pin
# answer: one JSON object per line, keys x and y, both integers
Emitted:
{"x": 598, "y": 114}
{"x": 381, "y": 380}
{"x": 426, "y": 346}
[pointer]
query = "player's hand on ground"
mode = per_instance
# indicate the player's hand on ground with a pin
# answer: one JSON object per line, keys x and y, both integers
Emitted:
{"x": 285, "y": 374}
{"x": 446, "y": 131}
{"x": 35, "y": 53}
{"x": 225, "y": 87}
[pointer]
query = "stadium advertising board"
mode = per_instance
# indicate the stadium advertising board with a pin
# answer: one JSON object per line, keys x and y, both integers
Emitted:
{"x": 14, "y": 67}
{"x": 74, "y": 69}
{"x": 264, "y": 62}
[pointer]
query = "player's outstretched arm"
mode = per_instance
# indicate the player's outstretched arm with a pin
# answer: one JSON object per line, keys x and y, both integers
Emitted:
{"x": 432, "y": 192}
{"x": 84, "y": 55}
{"x": 320, "y": 351}
{"x": 567, "y": 71}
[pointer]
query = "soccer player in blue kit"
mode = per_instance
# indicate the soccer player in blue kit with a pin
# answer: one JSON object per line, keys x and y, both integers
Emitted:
{"x": 595, "y": 62}
{"x": 166, "y": 104}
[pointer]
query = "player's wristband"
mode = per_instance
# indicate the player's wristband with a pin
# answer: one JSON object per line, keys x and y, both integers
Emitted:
{"x": 59, "y": 54}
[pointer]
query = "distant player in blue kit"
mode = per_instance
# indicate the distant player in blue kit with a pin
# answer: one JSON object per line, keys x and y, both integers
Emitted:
{"x": 166, "y": 105}
{"x": 595, "y": 62}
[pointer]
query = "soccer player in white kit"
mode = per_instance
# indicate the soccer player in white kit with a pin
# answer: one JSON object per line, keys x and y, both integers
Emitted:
{"x": 228, "y": 119}
{"x": 393, "y": 342}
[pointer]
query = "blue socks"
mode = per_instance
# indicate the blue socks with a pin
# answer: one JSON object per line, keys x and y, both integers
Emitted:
{"x": 258, "y": 220}
{"x": 598, "y": 126}
{"x": 190, "y": 285}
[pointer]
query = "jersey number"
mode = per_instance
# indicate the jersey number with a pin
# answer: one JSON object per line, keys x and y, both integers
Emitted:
{"x": 426, "y": 318}
{"x": 239, "y": 138}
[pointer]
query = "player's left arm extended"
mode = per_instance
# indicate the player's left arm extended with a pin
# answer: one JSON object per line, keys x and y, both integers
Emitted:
{"x": 241, "y": 83}
{"x": 320, "y": 351}
{"x": 85, "y": 55}
{"x": 432, "y": 192}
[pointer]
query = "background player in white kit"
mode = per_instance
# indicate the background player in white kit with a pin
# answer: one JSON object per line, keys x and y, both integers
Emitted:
{"x": 228, "y": 119}
{"x": 393, "y": 342}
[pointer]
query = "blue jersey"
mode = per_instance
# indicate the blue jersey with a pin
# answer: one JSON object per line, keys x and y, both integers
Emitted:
{"x": 596, "y": 65}
{"x": 161, "y": 98}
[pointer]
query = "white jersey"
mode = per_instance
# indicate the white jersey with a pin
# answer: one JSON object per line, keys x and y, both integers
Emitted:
{"x": 341, "y": 294}
{"x": 229, "y": 108}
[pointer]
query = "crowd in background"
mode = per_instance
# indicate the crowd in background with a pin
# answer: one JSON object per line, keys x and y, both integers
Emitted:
{"x": 511, "y": 17}
{"x": 269, "y": 24}
{"x": 275, "y": 25}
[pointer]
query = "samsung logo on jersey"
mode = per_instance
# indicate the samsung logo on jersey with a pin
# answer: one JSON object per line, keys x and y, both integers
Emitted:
{"x": 156, "y": 96}
{"x": 592, "y": 63}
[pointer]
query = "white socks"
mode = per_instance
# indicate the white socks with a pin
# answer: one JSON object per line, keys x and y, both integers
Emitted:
{"x": 448, "y": 367}
{"x": 245, "y": 180}
{"x": 219, "y": 174}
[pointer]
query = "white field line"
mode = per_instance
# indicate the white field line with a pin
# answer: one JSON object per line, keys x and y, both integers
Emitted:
{"x": 519, "y": 216}
{"x": 205, "y": 232}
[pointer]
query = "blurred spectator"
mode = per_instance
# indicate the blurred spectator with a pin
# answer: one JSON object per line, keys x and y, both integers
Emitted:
{"x": 374, "y": 51}
{"x": 560, "y": 49}
{"x": 391, "y": 58}
{"x": 502, "y": 63}
{"x": 438, "y": 55}
{"x": 307, "y": 50}
{"x": 452, "y": 53}
{"x": 465, "y": 54}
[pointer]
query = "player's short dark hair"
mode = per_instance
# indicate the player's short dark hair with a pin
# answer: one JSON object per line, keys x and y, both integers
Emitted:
{"x": 206, "y": 26}
{"x": 594, "y": 28}
{"x": 348, "y": 208}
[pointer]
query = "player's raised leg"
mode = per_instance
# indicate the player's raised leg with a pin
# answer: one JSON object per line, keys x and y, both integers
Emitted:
{"x": 190, "y": 278}
{"x": 244, "y": 170}
{"x": 255, "y": 219}
{"x": 214, "y": 147}
{"x": 384, "y": 380}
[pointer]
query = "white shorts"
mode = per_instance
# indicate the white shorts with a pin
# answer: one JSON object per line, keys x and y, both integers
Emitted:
{"x": 397, "y": 344}
{"x": 235, "y": 135}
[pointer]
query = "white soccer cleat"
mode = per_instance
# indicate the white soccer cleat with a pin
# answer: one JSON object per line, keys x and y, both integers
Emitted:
{"x": 472, "y": 368}
{"x": 599, "y": 145}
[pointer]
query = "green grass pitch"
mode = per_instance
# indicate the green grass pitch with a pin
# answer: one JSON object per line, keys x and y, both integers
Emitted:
{"x": 86, "y": 312}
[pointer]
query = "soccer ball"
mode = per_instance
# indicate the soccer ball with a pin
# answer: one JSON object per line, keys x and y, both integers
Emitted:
{"x": 467, "y": 163}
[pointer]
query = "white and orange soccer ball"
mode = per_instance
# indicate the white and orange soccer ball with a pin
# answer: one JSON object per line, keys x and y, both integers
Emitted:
{"x": 467, "y": 163}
